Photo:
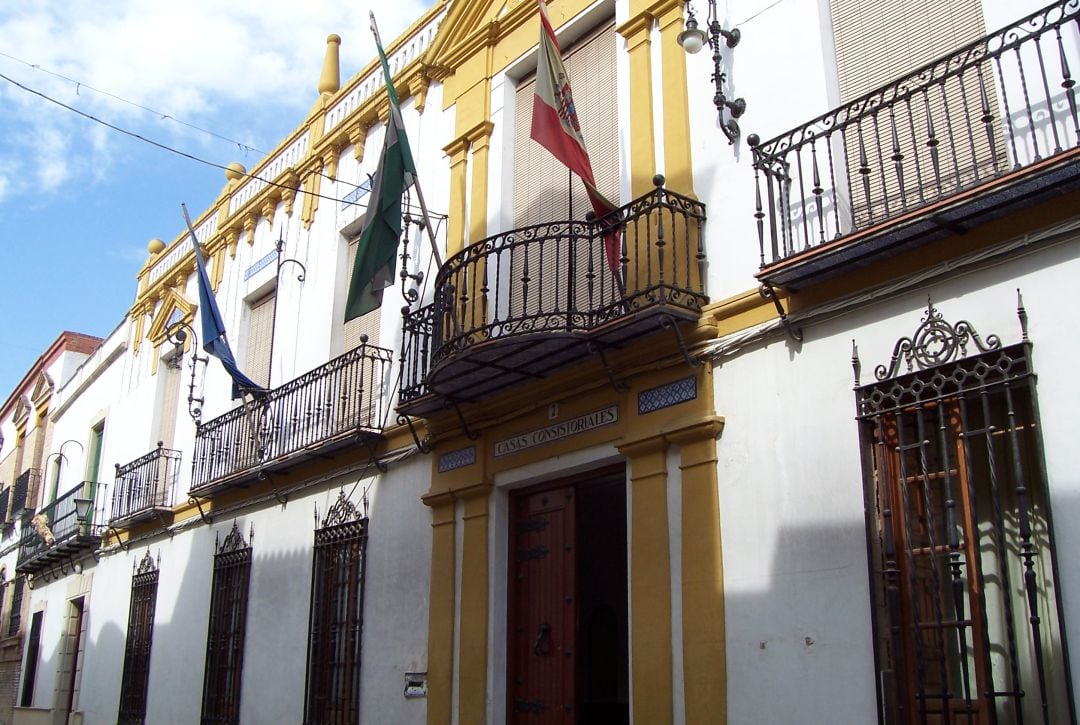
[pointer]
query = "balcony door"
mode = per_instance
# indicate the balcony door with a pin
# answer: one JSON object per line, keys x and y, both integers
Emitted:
{"x": 568, "y": 623}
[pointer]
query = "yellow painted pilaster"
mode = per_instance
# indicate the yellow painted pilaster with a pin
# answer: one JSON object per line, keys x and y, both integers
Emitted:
{"x": 642, "y": 130}
{"x": 704, "y": 655}
{"x": 678, "y": 166}
{"x": 472, "y": 647}
{"x": 455, "y": 230}
{"x": 440, "y": 662}
{"x": 650, "y": 582}
{"x": 479, "y": 139}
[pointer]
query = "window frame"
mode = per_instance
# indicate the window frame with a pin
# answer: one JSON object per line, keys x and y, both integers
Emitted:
{"x": 134, "y": 684}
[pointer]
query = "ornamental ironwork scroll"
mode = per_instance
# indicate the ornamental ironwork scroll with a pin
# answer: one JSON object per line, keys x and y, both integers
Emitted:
{"x": 935, "y": 342}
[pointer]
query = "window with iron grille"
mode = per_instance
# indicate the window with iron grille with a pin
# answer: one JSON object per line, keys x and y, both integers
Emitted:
{"x": 225, "y": 635}
{"x": 33, "y": 649}
{"x": 337, "y": 617}
{"x": 140, "y": 632}
{"x": 967, "y": 609}
{"x": 15, "y": 619}
{"x": 4, "y": 496}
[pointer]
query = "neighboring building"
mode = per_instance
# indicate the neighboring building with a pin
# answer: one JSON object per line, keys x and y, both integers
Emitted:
{"x": 31, "y": 459}
{"x": 555, "y": 491}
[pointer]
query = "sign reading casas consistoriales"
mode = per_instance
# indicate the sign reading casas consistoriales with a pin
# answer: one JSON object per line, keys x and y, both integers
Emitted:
{"x": 547, "y": 434}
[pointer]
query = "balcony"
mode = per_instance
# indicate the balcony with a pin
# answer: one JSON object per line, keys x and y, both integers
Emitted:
{"x": 25, "y": 490}
{"x": 56, "y": 535}
{"x": 144, "y": 488}
{"x": 519, "y": 305}
{"x": 969, "y": 138}
{"x": 333, "y": 406}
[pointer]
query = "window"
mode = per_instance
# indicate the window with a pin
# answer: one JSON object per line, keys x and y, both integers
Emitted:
{"x": 140, "y": 632}
{"x": 5, "y": 495}
{"x": 15, "y": 618}
{"x": 93, "y": 457}
{"x": 365, "y": 324}
{"x": 33, "y": 647}
{"x": 225, "y": 635}
{"x": 260, "y": 340}
{"x": 540, "y": 180}
{"x": 966, "y": 609}
{"x": 337, "y": 616}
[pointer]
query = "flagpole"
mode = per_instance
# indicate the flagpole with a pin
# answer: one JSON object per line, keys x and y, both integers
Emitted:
{"x": 416, "y": 180}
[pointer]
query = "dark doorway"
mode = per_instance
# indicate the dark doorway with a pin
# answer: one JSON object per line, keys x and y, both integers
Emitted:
{"x": 568, "y": 625}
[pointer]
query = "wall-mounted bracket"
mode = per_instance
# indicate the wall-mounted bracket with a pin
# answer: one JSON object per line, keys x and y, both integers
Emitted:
{"x": 265, "y": 476}
{"x": 369, "y": 443}
{"x": 421, "y": 445}
{"x": 164, "y": 526}
{"x": 768, "y": 292}
{"x": 668, "y": 322}
{"x": 115, "y": 533}
{"x": 450, "y": 402}
{"x": 202, "y": 514}
{"x": 598, "y": 350}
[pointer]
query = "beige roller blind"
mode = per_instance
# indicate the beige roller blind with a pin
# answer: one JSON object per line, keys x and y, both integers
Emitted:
{"x": 365, "y": 324}
{"x": 170, "y": 393}
{"x": 879, "y": 41}
{"x": 260, "y": 339}
{"x": 540, "y": 181}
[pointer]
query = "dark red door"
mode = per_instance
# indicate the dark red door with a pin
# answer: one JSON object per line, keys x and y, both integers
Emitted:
{"x": 541, "y": 624}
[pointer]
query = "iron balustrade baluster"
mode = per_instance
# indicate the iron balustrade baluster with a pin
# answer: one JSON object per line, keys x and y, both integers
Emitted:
{"x": 897, "y": 155}
{"x": 919, "y": 182}
{"x": 951, "y": 137}
{"x": 1045, "y": 75}
{"x": 817, "y": 191}
{"x": 969, "y": 130}
{"x": 1067, "y": 83}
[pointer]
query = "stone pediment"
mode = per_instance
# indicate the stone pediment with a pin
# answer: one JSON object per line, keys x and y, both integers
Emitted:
{"x": 173, "y": 308}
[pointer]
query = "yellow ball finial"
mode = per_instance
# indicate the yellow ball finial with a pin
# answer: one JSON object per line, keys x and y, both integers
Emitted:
{"x": 235, "y": 171}
{"x": 155, "y": 247}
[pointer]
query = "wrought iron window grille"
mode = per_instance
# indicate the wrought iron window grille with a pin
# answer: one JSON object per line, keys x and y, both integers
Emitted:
{"x": 227, "y": 628}
{"x": 136, "y": 675}
{"x": 967, "y": 610}
{"x": 332, "y": 692}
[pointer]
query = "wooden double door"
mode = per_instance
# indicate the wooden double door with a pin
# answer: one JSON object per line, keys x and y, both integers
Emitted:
{"x": 568, "y": 623}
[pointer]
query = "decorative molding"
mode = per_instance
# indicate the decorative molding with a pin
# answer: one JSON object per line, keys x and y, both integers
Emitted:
{"x": 147, "y": 565}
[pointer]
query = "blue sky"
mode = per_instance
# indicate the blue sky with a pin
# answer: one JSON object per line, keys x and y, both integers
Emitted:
{"x": 78, "y": 201}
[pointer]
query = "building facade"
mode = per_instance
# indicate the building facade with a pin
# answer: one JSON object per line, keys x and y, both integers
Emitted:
{"x": 796, "y": 451}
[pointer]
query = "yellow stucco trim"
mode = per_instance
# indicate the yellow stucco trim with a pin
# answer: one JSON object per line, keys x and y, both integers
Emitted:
{"x": 473, "y": 639}
{"x": 458, "y": 150}
{"x": 650, "y": 582}
{"x": 704, "y": 640}
{"x": 642, "y": 129}
{"x": 440, "y": 663}
{"x": 678, "y": 162}
{"x": 479, "y": 138}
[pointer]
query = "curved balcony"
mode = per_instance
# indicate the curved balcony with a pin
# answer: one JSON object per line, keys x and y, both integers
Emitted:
{"x": 516, "y": 306}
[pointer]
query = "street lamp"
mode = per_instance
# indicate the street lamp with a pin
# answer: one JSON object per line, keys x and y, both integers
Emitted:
{"x": 692, "y": 40}
{"x": 82, "y": 509}
{"x": 178, "y": 334}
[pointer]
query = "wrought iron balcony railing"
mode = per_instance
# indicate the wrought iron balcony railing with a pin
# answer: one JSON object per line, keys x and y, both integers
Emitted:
{"x": 999, "y": 113}
{"x": 24, "y": 492}
{"x": 145, "y": 485}
{"x": 518, "y": 304}
{"x": 56, "y": 533}
{"x": 330, "y": 405}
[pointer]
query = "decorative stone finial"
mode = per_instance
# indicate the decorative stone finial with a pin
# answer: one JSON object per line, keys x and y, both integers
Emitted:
{"x": 330, "y": 80}
{"x": 235, "y": 171}
{"x": 155, "y": 247}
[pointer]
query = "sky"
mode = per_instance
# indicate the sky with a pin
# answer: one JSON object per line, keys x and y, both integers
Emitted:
{"x": 222, "y": 81}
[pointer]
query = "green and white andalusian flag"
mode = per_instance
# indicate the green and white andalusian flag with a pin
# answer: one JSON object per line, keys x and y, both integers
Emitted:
{"x": 376, "y": 255}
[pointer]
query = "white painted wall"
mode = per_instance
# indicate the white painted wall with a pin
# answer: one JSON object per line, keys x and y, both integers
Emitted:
{"x": 791, "y": 499}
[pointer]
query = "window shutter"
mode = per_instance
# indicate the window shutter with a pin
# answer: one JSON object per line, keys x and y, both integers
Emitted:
{"x": 260, "y": 339}
{"x": 365, "y": 324}
{"x": 540, "y": 181}
{"x": 878, "y": 43}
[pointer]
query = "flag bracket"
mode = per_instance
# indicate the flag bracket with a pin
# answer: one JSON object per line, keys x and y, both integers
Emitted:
{"x": 768, "y": 292}
{"x": 668, "y": 322}
{"x": 598, "y": 350}
{"x": 421, "y": 445}
{"x": 202, "y": 514}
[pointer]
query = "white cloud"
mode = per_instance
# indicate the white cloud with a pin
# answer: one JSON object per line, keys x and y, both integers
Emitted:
{"x": 223, "y": 66}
